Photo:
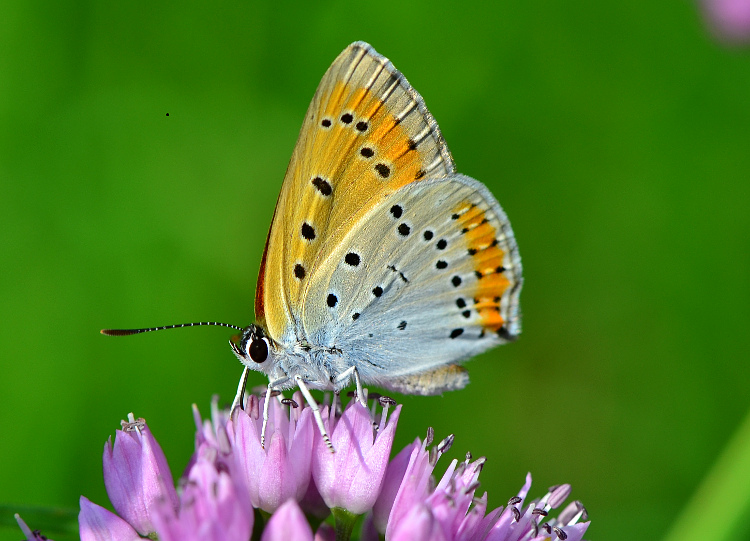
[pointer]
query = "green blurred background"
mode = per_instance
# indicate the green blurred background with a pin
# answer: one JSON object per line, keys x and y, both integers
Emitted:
{"x": 615, "y": 135}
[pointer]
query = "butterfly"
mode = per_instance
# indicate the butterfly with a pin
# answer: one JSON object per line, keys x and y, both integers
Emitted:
{"x": 382, "y": 265}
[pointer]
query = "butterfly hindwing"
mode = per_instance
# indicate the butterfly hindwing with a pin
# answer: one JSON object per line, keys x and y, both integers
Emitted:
{"x": 429, "y": 277}
{"x": 366, "y": 134}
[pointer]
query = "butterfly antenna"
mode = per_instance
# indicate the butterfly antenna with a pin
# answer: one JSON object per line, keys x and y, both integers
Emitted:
{"x": 128, "y": 332}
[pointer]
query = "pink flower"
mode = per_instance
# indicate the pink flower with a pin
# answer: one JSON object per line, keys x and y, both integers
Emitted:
{"x": 210, "y": 507}
{"x": 729, "y": 19}
{"x": 98, "y": 524}
{"x": 351, "y": 477}
{"x": 288, "y": 523}
{"x": 281, "y": 470}
{"x": 136, "y": 474}
{"x": 414, "y": 487}
{"x": 450, "y": 511}
{"x": 447, "y": 504}
{"x": 230, "y": 473}
{"x": 515, "y": 523}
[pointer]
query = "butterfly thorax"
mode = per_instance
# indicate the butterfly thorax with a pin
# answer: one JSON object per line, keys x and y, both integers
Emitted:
{"x": 317, "y": 365}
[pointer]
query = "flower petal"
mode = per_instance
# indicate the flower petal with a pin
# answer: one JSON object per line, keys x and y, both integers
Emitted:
{"x": 418, "y": 525}
{"x": 95, "y": 523}
{"x": 394, "y": 475}
{"x": 287, "y": 523}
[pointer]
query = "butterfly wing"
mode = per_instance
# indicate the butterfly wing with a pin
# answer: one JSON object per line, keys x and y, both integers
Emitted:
{"x": 430, "y": 276}
{"x": 377, "y": 248}
{"x": 366, "y": 134}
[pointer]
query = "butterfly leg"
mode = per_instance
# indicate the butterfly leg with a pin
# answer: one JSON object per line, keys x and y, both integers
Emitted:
{"x": 239, "y": 398}
{"x": 316, "y": 411}
{"x": 352, "y": 370}
{"x": 269, "y": 391}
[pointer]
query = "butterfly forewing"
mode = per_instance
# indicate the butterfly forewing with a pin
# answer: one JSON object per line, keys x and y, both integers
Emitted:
{"x": 366, "y": 134}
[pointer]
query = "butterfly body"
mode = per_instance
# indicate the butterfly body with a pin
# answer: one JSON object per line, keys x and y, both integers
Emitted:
{"x": 382, "y": 262}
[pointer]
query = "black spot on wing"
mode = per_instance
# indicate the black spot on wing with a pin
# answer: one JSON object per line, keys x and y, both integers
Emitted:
{"x": 352, "y": 259}
{"x": 322, "y": 186}
{"x": 308, "y": 231}
{"x": 383, "y": 170}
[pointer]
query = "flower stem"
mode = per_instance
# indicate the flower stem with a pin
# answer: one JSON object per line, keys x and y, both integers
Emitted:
{"x": 261, "y": 517}
{"x": 343, "y": 523}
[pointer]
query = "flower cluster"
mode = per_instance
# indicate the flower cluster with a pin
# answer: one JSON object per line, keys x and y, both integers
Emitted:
{"x": 234, "y": 488}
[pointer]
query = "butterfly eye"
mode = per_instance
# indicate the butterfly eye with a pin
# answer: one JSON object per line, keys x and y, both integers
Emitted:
{"x": 258, "y": 350}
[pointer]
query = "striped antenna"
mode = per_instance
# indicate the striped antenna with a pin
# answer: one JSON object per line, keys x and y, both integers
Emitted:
{"x": 128, "y": 332}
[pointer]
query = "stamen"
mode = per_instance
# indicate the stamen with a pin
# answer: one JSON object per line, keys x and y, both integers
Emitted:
{"x": 479, "y": 464}
{"x": 472, "y": 487}
{"x": 584, "y": 515}
{"x": 480, "y": 501}
{"x": 384, "y": 416}
{"x": 335, "y": 405}
{"x": 445, "y": 445}
{"x": 386, "y": 401}
{"x": 133, "y": 424}
{"x": 429, "y": 438}
{"x": 433, "y": 456}
{"x": 253, "y": 406}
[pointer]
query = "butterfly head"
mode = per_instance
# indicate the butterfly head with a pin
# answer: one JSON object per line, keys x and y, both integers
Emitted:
{"x": 255, "y": 349}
